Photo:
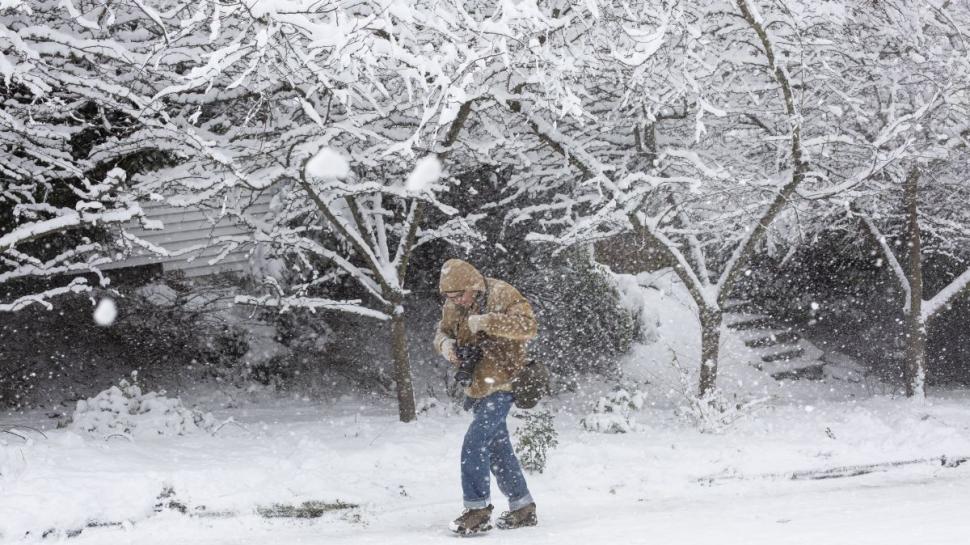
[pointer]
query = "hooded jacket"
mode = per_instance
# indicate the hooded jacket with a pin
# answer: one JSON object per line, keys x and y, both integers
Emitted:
{"x": 506, "y": 327}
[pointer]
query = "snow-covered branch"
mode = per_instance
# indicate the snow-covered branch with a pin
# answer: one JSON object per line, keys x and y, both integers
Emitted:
{"x": 959, "y": 286}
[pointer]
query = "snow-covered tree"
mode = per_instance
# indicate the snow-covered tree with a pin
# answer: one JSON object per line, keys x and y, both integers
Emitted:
{"x": 347, "y": 113}
{"x": 916, "y": 58}
{"x": 692, "y": 127}
{"x": 703, "y": 131}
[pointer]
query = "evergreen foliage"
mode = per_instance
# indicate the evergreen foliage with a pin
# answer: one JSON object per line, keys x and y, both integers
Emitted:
{"x": 534, "y": 439}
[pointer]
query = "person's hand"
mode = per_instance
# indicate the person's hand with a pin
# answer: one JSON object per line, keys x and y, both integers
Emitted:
{"x": 449, "y": 352}
{"x": 476, "y": 323}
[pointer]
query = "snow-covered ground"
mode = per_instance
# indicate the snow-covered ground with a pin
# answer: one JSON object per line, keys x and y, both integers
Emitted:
{"x": 663, "y": 482}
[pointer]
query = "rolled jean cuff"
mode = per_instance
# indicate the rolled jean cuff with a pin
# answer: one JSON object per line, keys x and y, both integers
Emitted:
{"x": 515, "y": 505}
{"x": 477, "y": 504}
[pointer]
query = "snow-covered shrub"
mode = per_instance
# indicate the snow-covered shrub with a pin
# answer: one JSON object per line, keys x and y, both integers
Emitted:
{"x": 534, "y": 439}
{"x": 714, "y": 412}
{"x": 710, "y": 413}
{"x": 125, "y": 410}
{"x": 614, "y": 412}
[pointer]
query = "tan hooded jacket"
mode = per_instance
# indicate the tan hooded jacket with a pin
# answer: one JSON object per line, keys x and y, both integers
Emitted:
{"x": 506, "y": 328}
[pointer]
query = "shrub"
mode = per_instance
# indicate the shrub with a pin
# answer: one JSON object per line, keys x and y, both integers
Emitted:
{"x": 125, "y": 410}
{"x": 583, "y": 326}
{"x": 278, "y": 371}
{"x": 534, "y": 439}
{"x": 712, "y": 412}
{"x": 614, "y": 412}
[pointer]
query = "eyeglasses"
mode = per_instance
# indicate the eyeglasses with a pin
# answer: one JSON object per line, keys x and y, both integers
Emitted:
{"x": 452, "y": 295}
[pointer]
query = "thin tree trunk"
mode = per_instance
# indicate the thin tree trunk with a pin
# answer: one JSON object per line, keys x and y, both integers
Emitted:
{"x": 915, "y": 369}
{"x": 710, "y": 346}
{"x": 402, "y": 365}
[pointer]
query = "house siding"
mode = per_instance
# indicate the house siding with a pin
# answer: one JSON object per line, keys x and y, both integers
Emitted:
{"x": 186, "y": 227}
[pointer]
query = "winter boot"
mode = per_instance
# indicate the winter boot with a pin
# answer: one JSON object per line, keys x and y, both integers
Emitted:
{"x": 473, "y": 521}
{"x": 523, "y": 516}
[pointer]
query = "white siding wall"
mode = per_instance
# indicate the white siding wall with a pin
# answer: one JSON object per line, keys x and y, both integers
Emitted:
{"x": 187, "y": 227}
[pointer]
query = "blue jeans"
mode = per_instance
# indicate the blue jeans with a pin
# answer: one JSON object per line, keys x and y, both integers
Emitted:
{"x": 487, "y": 447}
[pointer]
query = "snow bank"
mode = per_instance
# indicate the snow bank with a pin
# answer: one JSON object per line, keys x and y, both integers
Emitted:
{"x": 124, "y": 410}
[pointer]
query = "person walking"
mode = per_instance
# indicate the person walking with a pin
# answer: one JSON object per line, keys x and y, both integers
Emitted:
{"x": 486, "y": 323}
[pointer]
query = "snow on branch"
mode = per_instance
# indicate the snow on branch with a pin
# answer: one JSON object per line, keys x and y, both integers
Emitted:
{"x": 78, "y": 285}
{"x": 890, "y": 257}
{"x": 880, "y": 163}
{"x": 310, "y": 303}
{"x": 947, "y": 295}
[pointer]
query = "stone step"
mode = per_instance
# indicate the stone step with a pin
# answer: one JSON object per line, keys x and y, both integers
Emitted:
{"x": 807, "y": 370}
{"x": 784, "y": 355}
{"x": 780, "y": 351}
{"x": 755, "y": 334}
{"x": 774, "y": 338}
{"x": 738, "y": 306}
{"x": 749, "y": 322}
{"x": 809, "y": 366}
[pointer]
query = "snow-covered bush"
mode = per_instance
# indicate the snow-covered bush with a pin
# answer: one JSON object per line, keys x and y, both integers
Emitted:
{"x": 614, "y": 412}
{"x": 534, "y": 439}
{"x": 125, "y": 410}
{"x": 714, "y": 412}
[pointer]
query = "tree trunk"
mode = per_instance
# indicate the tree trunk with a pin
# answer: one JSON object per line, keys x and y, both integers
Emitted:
{"x": 402, "y": 365}
{"x": 915, "y": 367}
{"x": 915, "y": 356}
{"x": 710, "y": 346}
